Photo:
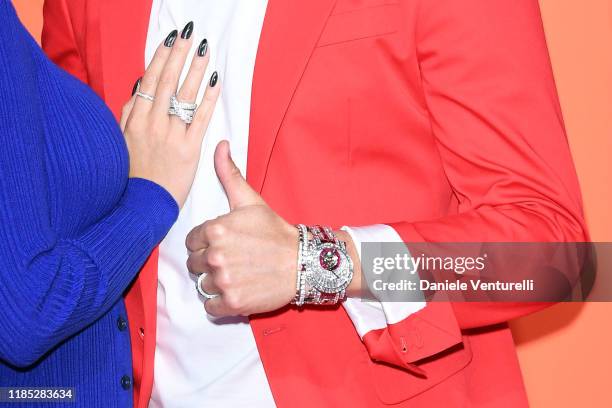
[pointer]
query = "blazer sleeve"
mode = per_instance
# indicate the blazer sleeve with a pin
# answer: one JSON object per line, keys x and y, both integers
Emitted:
{"x": 495, "y": 114}
{"x": 53, "y": 285}
{"x": 58, "y": 39}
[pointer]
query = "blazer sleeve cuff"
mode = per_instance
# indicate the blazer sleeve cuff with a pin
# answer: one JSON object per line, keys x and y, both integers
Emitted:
{"x": 400, "y": 333}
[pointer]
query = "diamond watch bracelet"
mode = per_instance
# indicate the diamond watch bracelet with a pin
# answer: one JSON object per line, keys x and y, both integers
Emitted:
{"x": 324, "y": 267}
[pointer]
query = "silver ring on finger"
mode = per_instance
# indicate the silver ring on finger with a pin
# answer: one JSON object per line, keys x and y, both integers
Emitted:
{"x": 145, "y": 96}
{"x": 174, "y": 102}
{"x": 183, "y": 110}
{"x": 201, "y": 291}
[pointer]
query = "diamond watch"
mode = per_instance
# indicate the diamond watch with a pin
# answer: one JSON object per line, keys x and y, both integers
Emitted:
{"x": 324, "y": 267}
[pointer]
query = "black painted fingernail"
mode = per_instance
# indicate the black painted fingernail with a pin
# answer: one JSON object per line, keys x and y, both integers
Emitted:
{"x": 213, "y": 79}
{"x": 187, "y": 31}
{"x": 171, "y": 38}
{"x": 136, "y": 86}
{"x": 202, "y": 48}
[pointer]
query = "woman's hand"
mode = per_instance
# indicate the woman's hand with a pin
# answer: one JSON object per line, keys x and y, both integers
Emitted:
{"x": 163, "y": 148}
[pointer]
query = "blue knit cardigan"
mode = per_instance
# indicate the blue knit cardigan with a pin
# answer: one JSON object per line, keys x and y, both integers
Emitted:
{"x": 74, "y": 230}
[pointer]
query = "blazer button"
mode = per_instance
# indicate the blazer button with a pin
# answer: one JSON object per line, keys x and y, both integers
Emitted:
{"x": 122, "y": 324}
{"x": 126, "y": 382}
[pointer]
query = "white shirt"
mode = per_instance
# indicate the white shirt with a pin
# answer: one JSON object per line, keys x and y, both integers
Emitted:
{"x": 200, "y": 360}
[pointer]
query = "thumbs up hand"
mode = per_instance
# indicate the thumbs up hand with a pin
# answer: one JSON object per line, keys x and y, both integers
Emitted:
{"x": 249, "y": 254}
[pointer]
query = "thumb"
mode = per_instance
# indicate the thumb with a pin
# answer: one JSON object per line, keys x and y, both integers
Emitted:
{"x": 239, "y": 193}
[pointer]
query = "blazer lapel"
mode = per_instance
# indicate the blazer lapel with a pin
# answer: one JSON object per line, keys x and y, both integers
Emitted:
{"x": 123, "y": 35}
{"x": 289, "y": 34}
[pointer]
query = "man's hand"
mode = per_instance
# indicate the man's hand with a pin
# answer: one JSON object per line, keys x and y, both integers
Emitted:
{"x": 249, "y": 255}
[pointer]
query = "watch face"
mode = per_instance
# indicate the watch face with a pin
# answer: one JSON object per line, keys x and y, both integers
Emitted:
{"x": 332, "y": 269}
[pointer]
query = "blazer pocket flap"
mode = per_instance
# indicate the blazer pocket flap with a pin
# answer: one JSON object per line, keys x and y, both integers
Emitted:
{"x": 394, "y": 385}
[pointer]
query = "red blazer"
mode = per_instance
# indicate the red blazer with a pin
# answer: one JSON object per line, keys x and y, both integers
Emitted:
{"x": 439, "y": 118}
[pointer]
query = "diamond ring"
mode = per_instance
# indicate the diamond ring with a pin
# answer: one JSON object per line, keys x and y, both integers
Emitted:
{"x": 183, "y": 110}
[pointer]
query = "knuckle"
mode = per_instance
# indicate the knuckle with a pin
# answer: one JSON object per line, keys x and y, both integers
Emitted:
{"x": 203, "y": 228}
{"x": 235, "y": 172}
{"x": 187, "y": 95}
{"x": 148, "y": 81}
{"x": 192, "y": 238}
{"x": 168, "y": 78}
{"x": 223, "y": 280}
{"x": 192, "y": 264}
{"x": 216, "y": 258}
{"x": 216, "y": 231}
{"x": 233, "y": 302}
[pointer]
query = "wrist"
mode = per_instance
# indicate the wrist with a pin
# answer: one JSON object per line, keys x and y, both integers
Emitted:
{"x": 292, "y": 260}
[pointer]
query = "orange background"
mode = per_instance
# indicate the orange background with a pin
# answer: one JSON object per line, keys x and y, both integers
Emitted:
{"x": 565, "y": 351}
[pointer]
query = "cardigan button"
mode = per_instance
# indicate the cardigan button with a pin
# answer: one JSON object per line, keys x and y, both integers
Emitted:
{"x": 122, "y": 324}
{"x": 126, "y": 382}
